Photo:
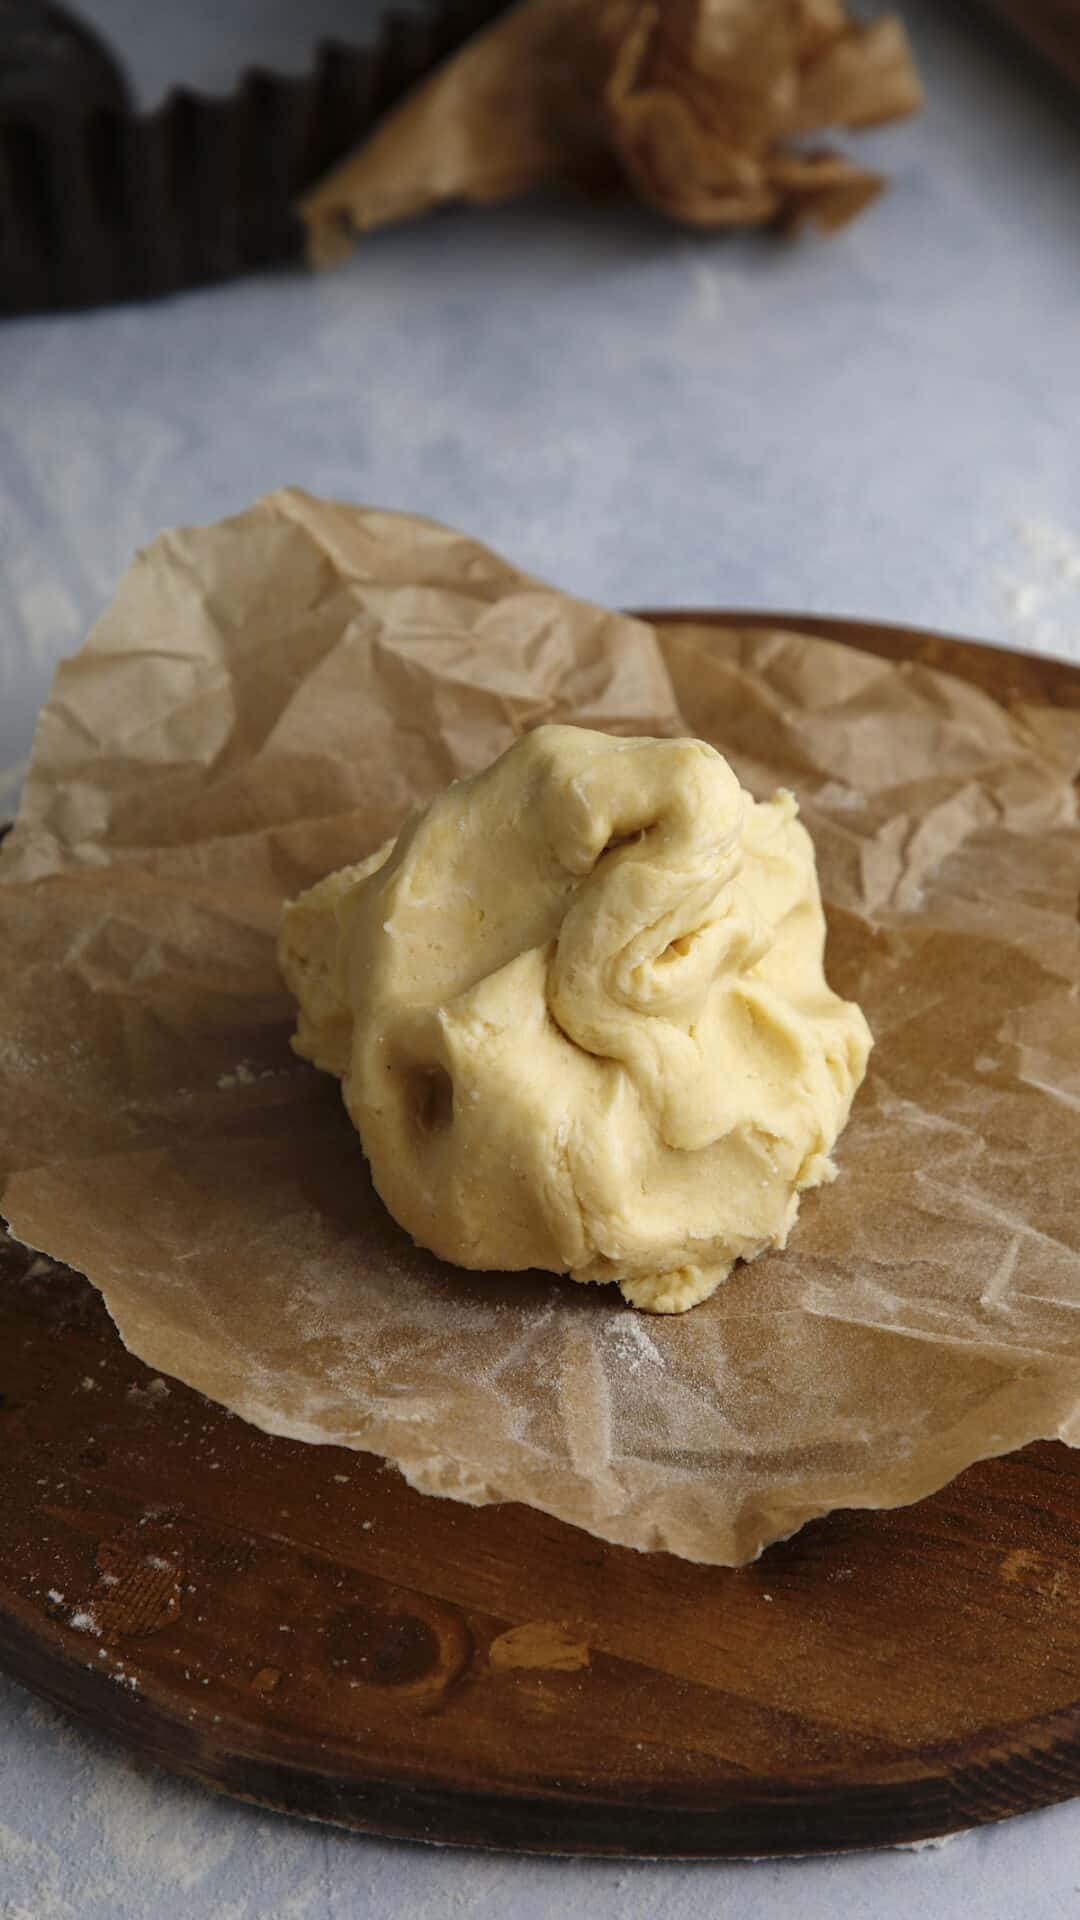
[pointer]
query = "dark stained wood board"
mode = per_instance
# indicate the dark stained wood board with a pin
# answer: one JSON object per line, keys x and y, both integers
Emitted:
{"x": 294, "y": 1626}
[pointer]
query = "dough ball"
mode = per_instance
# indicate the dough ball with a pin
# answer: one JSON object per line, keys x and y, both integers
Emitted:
{"x": 580, "y": 1015}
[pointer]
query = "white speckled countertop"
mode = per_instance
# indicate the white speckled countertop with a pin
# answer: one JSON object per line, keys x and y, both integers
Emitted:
{"x": 885, "y": 423}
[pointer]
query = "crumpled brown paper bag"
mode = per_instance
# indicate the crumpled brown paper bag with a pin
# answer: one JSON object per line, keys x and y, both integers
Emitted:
{"x": 265, "y": 700}
{"x": 701, "y": 106}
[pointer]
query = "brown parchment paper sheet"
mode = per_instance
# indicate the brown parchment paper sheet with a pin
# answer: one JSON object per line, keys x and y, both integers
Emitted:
{"x": 701, "y": 107}
{"x": 265, "y": 700}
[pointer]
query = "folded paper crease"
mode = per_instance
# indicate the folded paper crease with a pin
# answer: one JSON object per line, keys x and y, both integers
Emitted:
{"x": 314, "y": 673}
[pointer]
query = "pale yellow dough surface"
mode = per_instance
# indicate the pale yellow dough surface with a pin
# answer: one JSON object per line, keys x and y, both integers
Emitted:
{"x": 580, "y": 1015}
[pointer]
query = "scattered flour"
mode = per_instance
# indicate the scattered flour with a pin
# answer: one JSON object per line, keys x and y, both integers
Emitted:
{"x": 242, "y": 1075}
{"x": 1054, "y": 546}
{"x": 164, "y": 1833}
{"x": 1041, "y": 592}
{"x": 14, "y": 1846}
{"x": 48, "y": 1720}
{"x": 245, "y": 1075}
{"x": 633, "y": 1345}
{"x": 838, "y": 797}
{"x": 154, "y": 1390}
{"x": 928, "y": 1846}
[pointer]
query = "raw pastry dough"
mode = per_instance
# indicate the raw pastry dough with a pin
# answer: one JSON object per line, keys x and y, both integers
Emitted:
{"x": 581, "y": 1018}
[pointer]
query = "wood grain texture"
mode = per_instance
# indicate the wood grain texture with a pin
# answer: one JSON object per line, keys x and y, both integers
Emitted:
{"x": 295, "y": 1626}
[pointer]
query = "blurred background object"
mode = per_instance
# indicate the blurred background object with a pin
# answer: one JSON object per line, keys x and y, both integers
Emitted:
{"x": 1052, "y": 27}
{"x": 100, "y": 203}
{"x": 103, "y": 200}
{"x": 708, "y": 111}
{"x": 50, "y": 63}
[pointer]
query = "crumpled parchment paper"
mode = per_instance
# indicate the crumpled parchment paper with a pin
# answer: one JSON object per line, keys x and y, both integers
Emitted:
{"x": 265, "y": 700}
{"x": 702, "y": 107}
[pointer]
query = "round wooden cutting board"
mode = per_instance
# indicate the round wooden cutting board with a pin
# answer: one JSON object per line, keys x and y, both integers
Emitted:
{"x": 293, "y": 1625}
